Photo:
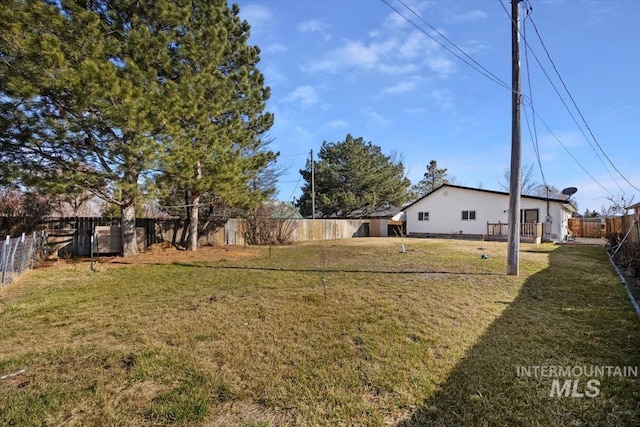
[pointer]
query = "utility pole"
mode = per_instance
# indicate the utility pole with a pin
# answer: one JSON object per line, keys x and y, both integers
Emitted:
{"x": 313, "y": 188}
{"x": 513, "y": 255}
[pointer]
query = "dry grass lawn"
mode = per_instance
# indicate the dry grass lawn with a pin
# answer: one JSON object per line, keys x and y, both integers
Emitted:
{"x": 348, "y": 332}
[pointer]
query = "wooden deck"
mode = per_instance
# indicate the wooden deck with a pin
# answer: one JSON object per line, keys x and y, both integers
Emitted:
{"x": 529, "y": 232}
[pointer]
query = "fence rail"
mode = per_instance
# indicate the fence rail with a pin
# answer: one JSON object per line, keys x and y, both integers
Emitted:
{"x": 18, "y": 255}
{"x": 71, "y": 236}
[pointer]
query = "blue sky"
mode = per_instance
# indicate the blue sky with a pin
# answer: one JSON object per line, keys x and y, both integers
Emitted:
{"x": 356, "y": 66}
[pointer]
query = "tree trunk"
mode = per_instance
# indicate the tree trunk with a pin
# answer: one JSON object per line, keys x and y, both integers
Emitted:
{"x": 128, "y": 228}
{"x": 193, "y": 221}
{"x": 195, "y": 210}
{"x": 187, "y": 216}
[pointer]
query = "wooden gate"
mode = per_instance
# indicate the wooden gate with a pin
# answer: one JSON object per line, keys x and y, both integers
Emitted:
{"x": 586, "y": 227}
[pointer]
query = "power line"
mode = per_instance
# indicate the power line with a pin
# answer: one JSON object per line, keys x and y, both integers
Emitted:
{"x": 528, "y": 47}
{"x": 577, "y": 108}
{"x": 488, "y": 74}
{"x": 295, "y": 188}
{"x": 471, "y": 62}
{"x": 569, "y": 152}
{"x": 534, "y": 136}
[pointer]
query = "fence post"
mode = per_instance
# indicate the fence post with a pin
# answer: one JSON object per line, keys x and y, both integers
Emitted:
{"x": 22, "y": 256}
{"x": 91, "y": 252}
{"x": 5, "y": 252}
{"x": 33, "y": 250}
{"x": 13, "y": 259}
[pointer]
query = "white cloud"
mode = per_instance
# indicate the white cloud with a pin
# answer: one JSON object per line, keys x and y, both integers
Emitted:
{"x": 469, "y": 16}
{"x": 273, "y": 75}
{"x": 313, "y": 25}
{"x": 256, "y": 14}
{"x": 401, "y": 87}
{"x": 624, "y": 112}
{"x": 441, "y": 65}
{"x": 416, "y": 44}
{"x": 275, "y": 48}
{"x": 366, "y": 56}
{"x": 302, "y": 135}
{"x": 356, "y": 54}
{"x": 337, "y": 124}
{"x": 568, "y": 139}
{"x": 395, "y": 54}
{"x": 394, "y": 21}
{"x": 443, "y": 99}
{"x": 305, "y": 95}
{"x": 377, "y": 118}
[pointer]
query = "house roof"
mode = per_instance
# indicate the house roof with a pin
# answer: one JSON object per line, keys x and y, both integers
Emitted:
{"x": 564, "y": 202}
{"x": 634, "y": 206}
{"x": 387, "y": 211}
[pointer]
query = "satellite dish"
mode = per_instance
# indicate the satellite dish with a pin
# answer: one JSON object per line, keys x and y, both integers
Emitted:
{"x": 569, "y": 191}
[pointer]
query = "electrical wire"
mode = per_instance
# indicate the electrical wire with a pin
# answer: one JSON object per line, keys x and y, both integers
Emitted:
{"x": 471, "y": 62}
{"x": 569, "y": 152}
{"x": 295, "y": 188}
{"x": 488, "y": 74}
{"x": 534, "y": 135}
{"x": 577, "y": 108}
{"x": 575, "y": 120}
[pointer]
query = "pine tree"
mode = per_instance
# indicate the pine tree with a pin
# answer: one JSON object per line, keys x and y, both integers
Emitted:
{"x": 82, "y": 101}
{"x": 217, "y": 147}
{"x": 433, "y": 178}
{"x": 97, "y": 93}
{"x": 353, "y": 177}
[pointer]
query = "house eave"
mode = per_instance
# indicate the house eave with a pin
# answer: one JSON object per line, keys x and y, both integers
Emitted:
{"x": 571, "y": 208}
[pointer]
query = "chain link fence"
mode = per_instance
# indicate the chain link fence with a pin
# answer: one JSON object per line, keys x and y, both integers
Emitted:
{"x": 18, "y": 254}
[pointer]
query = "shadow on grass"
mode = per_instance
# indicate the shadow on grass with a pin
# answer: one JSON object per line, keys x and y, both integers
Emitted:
{"x": 574, "y": 313}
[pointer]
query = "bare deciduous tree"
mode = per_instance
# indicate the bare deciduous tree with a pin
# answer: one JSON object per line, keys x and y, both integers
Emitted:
{"x": 270, "y": 223}
{"x": 528, "y": 182}
{"x": 22, "y": 212}
{"x": 618, "y": 205}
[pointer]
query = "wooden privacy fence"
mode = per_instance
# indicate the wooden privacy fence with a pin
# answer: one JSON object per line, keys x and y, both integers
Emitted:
{"x": 622, "y": 225}
{"x": 72, "y": 236}
{"x": 601, "y": 227}
{"x": 328, "y": 229}
{"x": 587, "y": 227}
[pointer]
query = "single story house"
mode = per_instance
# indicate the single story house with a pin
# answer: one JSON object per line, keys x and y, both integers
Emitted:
{"x": 457, "y": 210}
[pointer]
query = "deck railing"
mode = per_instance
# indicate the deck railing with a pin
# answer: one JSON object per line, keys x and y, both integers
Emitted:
{"x": 527, "y": 230}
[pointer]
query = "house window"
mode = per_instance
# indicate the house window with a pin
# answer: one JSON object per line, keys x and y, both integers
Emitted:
{"x": 468, "y": 215}
{"x": 529, "y": 216}
{"x": 423, "y": 216}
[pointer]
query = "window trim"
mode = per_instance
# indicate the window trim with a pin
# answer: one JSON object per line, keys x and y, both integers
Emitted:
{"x": 523, "y": 214}
{"x": 423, "y": 216}
{"x": 471, "y": 215}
